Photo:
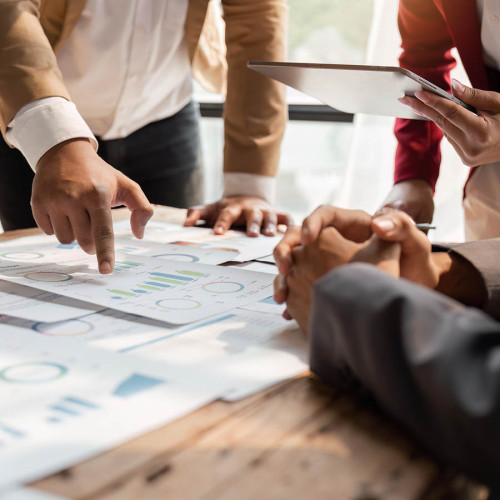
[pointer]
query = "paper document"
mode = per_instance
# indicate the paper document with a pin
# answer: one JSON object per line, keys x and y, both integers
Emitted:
{"x": 61, "y": 403}
{"x": 249, "y": 350}
{"x": 207, "y": 348}
{"x": 35, "y": 305}
{"x": 109, "y": 329}
{"x": 243, "y": 247}
{"x": 175, "y": 292}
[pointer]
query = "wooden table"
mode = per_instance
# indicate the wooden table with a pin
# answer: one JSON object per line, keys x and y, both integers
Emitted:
{"x": 299, "y": 440}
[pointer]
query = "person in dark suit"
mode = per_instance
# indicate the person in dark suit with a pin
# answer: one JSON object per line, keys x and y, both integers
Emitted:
{"x": 427, "y": 347}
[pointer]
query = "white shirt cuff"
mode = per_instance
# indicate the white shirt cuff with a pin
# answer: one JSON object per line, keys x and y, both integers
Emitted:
{"x": 44, "y": 123}
{"x": 239, "y": 184}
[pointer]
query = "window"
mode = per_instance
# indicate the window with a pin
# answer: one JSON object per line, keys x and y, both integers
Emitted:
{"x": 314, "y": 151}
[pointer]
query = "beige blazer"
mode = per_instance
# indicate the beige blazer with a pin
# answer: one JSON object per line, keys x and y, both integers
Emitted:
{"x": 32, "y": 31}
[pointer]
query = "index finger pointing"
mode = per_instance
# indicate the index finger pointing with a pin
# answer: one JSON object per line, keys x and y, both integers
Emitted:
{"x": 104, "y": 240}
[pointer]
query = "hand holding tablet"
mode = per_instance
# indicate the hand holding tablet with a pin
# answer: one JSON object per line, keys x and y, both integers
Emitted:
{"x": 354, "y": 88}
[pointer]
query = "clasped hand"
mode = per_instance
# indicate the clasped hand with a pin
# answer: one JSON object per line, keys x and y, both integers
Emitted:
{"x": 331, "y": 237}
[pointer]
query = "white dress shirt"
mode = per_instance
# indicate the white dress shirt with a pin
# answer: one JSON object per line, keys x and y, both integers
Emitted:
{"x": 125, "y": 65}
{"x": 482, "y": 194}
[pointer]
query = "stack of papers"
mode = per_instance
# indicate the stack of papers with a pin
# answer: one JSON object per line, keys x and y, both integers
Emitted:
{"x": 89, "y": 360}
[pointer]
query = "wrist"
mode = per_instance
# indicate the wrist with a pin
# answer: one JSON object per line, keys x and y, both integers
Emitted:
{"x": 72, "y": 149}
{"x": 459, "y": 279}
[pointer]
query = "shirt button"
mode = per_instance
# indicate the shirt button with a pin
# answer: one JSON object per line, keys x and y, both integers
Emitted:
{"x": 495, "y": 19}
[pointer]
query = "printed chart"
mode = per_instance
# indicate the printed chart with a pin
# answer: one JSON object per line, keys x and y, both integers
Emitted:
{"x": 62, "y": 402}
{"x": 173, "y": 292}
{"x": 240, "y": 247}
{"x": 36, "y": 305}
{"x": 111, "y": 330}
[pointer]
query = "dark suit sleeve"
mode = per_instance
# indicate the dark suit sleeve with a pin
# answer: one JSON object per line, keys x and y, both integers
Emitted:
{"x": 429, "y": 361}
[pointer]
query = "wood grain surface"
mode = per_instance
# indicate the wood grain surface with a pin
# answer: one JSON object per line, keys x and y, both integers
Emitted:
{"x": 298, "y": 440}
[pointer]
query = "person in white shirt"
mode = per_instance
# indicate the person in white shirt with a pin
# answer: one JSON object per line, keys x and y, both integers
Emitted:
{"x": 128, "y": 69}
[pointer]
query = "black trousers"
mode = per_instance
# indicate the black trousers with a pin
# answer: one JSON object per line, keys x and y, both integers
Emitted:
{"x": 164, "y": 158}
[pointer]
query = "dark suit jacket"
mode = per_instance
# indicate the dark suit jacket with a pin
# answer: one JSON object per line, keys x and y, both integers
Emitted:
{"x": 428, "y": 360}
{"x": 429, "y": 30}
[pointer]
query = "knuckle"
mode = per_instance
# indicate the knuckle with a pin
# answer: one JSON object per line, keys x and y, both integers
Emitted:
{"x": 99, "y": 194}
{"x": 439, "y": 120}
{"x": 103, "y": 233}
{"x": 451, "y": 113}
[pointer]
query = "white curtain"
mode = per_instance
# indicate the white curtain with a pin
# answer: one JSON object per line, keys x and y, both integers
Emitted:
{"x": 369, "y": 174}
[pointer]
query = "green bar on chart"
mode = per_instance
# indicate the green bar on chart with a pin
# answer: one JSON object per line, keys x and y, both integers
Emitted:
{"x": 166, "y": 280}
{"x": 147, "y": 287}
{"x": 191, "y": 273}
{"x": 121, "y": 292}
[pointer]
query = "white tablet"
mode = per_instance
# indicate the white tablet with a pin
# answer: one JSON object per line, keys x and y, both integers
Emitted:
{"x": 372, "y": 90}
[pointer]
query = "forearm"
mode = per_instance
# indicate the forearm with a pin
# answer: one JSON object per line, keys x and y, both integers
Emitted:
{"x": 427, "y": 360}
{"x": 459, "y": 279}
{"x": 28, "y": 65}
{"x": 427, "y": 45}
{"x": 476, "y": 267}
{"x": 255, "y": 109}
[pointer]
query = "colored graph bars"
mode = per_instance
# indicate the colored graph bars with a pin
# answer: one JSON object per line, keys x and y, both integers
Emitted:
{"x": 10, "y": 431}
{"x": 124, "y": 265}
{"x": 135, "y": 384}
{"x": 69, "y": 406}
{"x": 157, "y": 282}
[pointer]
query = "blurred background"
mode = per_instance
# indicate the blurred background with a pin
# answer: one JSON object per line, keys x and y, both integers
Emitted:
{"x": 328, "y": 157}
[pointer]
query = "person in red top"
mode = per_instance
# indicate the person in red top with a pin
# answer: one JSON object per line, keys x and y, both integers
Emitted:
{"x": 430, "y": 29}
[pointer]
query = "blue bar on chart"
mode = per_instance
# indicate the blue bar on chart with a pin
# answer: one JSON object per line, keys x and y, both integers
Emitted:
{"x": 66, "y": 411}
{"x": 125, "y": 264}
{"x": 172, "y": 276}
{"x": 135, "y": 384}
{"x": 157, "y": 283}
{"x": 80, "y": 402}
{"x": 11, "y": 431}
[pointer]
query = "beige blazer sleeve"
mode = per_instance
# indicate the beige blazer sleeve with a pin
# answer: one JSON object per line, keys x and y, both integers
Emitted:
{"x": 484, "y": 255}
{"x": 28, "y": 67}
{"x": 255, "y": 109}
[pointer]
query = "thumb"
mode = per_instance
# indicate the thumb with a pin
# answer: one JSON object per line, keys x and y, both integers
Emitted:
{"x": 480, "y": 99}
{"x": 132, "y": 196}
{"x": 399, "y": 227}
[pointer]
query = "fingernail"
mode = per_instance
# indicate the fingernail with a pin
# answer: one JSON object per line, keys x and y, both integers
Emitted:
{"x": 218, "y": 229}
{"x": 457, "y": 86}
{"x": 255, "y": 228}
{"x": 271, "y": 229}
{"x": 105, "y": 267}
{"x": 386, "y": 225}
{"x": 404, "y": 100}
{"x": 422, "y": 96}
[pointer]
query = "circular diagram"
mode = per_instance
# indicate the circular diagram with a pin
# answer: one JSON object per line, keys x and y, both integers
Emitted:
{"x": 223, "y": 287}
{"x": 48, "y": 276}
{"x": 177, "y": 257}
{"x": 178, "y": 304}
{"x": 71, "y": 328}
{"x": 33, "y": 372}
{"x": 22, "y": 255}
